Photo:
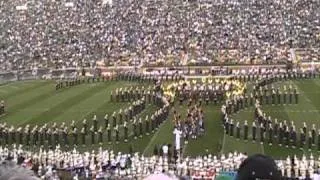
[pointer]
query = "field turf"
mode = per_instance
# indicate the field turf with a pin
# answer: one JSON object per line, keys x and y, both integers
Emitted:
{"x": 37, "y": 102}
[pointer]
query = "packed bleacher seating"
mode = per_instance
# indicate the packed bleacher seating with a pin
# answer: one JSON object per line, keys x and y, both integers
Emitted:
{"x": 79, "y": 33}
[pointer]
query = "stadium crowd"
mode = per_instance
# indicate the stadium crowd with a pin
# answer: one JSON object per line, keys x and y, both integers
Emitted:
{"x": 81, "y": 33}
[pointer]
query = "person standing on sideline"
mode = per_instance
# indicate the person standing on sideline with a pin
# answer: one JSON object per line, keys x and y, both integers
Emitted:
{"x": 177, "y": 132}
{"x": 165, "y": 149}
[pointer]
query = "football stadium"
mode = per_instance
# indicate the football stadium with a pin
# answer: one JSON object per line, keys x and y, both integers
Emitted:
{"x": 152, "y": 89}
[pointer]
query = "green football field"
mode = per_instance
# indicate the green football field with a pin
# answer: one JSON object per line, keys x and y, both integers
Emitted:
{"x": 37, "y": 102}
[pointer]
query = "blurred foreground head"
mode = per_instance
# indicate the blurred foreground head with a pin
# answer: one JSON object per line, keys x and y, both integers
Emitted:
{"x": 258, "y": 167}
{"x": 10, "y": 171}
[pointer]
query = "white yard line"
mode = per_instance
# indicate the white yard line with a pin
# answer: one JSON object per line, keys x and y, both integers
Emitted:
{"x": 303, "y": 94}
{"x": 14, "y": 87}
{"x": 223, "y": 142}
{"x": 154, "y": 137}
{"x": 3, "y": 91}
{"x": 262, "y": 148}
{"x": 317, "y": 82}
{"x": 183, "y": 149}
{"x": 294, "y": 111}
{"x": 92, "y": 110}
